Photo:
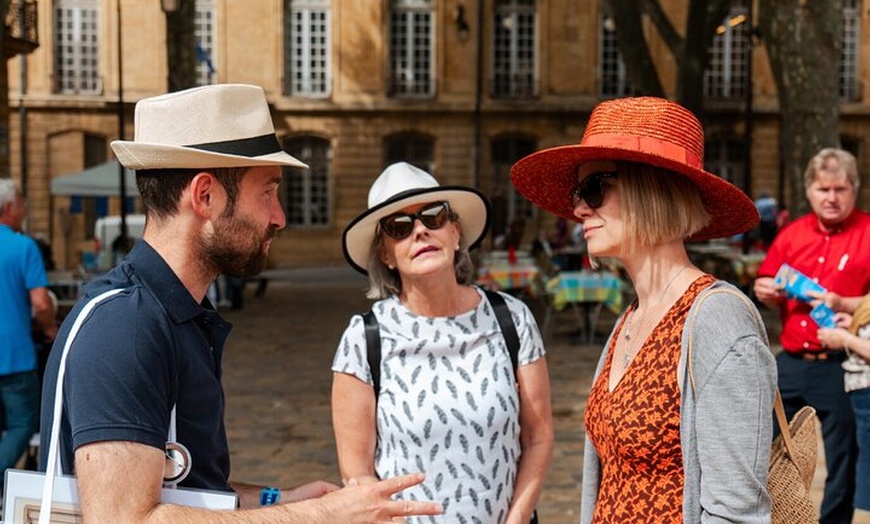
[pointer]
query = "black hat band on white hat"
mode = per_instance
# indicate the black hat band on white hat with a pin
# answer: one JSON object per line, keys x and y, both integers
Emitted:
{"x": 251, "y": 147}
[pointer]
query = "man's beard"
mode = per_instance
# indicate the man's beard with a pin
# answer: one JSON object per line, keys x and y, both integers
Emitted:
{"x": 235, "y": 248}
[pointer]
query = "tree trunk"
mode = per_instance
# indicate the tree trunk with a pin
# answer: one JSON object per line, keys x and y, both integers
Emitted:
{"x": 804, "y": 43}
{"x": 639, "y": 66}
{"x": 690, "y": 52}
{"x": 181, "y": 46}
{"x": 703, "y": 19}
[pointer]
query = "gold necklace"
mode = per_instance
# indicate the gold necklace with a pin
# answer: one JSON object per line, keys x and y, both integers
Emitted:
{"x": 628, "y": 355}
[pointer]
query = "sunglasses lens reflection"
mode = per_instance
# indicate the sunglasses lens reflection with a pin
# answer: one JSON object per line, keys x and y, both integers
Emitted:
{"x": 400, "y": 225}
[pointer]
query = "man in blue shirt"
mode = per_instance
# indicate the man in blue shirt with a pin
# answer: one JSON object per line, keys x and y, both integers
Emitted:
{"x": 25, "y": 302}
{"x": 208, "y": 166}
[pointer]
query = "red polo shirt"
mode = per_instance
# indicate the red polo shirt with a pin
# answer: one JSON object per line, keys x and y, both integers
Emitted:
{"x": 839, "y": 260}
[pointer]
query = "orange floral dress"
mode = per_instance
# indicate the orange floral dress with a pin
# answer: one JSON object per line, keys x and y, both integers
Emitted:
{"x": 636, "y": 427}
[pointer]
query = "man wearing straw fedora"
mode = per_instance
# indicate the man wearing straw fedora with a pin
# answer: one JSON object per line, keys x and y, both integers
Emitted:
{"x": 148, "y": 358}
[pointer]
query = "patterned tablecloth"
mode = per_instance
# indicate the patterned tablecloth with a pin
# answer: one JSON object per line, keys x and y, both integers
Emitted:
{"x": 586, "y": 286}
{"x": 587, "y": 293}
{"x": 501, "y": 275}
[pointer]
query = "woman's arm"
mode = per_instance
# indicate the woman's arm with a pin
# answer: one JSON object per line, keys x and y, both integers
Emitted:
{"x": 536, "y": 439}
{"x": 734, "y": 428}
{"x": 353, "y": 420}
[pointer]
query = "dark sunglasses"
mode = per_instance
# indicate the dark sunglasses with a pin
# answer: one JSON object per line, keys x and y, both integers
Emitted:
{"x": 591, "y": 189}
{"x": 400, "y": 225}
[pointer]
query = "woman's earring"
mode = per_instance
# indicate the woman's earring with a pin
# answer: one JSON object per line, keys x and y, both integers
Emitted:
{"x": 457, "y": 247}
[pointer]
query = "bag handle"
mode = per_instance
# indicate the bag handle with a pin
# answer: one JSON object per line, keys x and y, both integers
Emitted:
{"x": 778, "y": 407}
{"x": 52, "y": 464}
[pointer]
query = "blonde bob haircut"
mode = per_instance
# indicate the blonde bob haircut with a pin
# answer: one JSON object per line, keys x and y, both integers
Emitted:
{"x": 658, "y": 206}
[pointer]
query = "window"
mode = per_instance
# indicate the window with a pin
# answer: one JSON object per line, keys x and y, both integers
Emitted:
{"x": 411, "y": 48}
{"x": 514, "y": 68}
{"x": 206, "y": 45}
{"x": 307, "y": 40}
{"x": 852, "y": 145}
{"x": 727, "y": 73}
{"x": 614, "y": 81}
{"x": 306, "y": 193}
{"x": 76, "y": 47}
{"x": 726, "y": 157}
{"x": 414, "y": 148}
{"x": 849, "y": 83}
{"x": 508, "y": 206}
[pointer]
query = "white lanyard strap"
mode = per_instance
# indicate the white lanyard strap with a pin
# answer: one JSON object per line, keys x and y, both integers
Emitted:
{"x": 53, "y": 466}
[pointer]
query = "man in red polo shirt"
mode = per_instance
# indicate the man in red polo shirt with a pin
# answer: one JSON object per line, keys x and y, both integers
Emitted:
{"x": 831, "y": 246}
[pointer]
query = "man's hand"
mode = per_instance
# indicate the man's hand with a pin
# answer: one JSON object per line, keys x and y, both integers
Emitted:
{"x": 372, "y": 503}
{"x": 767, "y": 292}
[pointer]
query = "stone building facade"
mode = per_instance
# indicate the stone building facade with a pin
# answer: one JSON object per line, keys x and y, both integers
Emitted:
{"x": 460, "y": 87}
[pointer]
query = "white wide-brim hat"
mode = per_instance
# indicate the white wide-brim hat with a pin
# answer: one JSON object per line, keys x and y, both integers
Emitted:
{"x": 222, "y": 125}
{"x": 401, "y": 185}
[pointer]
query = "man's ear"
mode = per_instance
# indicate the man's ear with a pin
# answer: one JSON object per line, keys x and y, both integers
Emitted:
{"x": 203, "y": 189}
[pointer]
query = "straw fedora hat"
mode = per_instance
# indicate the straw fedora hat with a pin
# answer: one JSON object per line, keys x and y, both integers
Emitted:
{"x": 645, "y": 130}
{"x": 401, "y": 185}
{"x": 222, "y": 125}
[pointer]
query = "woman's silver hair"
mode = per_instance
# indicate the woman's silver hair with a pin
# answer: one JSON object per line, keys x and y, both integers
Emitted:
{"x": 8, "y": 192}
{"x": 385, "y": 282}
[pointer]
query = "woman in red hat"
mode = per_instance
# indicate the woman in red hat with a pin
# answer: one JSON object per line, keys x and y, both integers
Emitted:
{"x": 673, "y": 435}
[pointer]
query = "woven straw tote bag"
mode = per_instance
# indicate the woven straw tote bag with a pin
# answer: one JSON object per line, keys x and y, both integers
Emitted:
{"x": 793, "y": 452}
{"x": 792, "y": 466}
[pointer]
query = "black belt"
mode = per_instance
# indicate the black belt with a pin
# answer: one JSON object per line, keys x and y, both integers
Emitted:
{"x": 833, "y": 354}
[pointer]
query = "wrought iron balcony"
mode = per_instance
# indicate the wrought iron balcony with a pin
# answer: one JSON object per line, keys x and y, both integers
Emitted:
{"x": 22, "y": 34}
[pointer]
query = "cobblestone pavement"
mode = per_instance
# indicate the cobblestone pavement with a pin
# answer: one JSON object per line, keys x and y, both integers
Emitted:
{"x": 277, "y": 379}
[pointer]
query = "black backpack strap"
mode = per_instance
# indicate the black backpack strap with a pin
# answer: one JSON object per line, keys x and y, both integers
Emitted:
{"x": 506, "y": 324}
{"x": 502, "y": 315}
{"x": 373, "y": 348}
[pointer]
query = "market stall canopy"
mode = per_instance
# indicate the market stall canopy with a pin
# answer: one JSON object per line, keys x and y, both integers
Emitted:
{"x": 99, "y": 180}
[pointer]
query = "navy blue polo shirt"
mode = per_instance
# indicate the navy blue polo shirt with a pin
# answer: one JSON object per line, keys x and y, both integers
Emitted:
{"x": 138, "y": 354}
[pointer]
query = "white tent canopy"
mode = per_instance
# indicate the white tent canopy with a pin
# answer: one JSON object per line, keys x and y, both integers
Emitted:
{"x": 99, "y": 180}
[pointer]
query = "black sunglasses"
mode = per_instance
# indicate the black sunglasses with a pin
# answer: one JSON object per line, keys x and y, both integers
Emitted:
{"x": 591, "y": 189}
{"x": 400, "y": 225}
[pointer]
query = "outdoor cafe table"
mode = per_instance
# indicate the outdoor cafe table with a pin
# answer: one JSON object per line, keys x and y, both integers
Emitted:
{"x": 587, "y": 289}
{"x": 519, "y": 278}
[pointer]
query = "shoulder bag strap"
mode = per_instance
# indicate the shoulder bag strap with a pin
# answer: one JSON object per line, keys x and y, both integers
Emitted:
{"x": 778, "y": 407}
{"x": 506, "y": 324}
{"x": 502, "y": 315}
{"x": 52, "y": 463}
{"x": 373, "y": 349}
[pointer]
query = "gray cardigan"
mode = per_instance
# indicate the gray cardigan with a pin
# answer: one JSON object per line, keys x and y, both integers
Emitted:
{"x": 726, "y": 420}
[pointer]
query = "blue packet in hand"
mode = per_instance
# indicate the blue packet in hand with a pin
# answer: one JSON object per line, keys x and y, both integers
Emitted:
{"x": 824, "y": 316}
{"x": 795, "y": 284}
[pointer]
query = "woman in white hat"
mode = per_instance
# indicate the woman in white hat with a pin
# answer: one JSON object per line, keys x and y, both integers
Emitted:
{"x": 661, "y": 447}
{"x": 442, "y": 395}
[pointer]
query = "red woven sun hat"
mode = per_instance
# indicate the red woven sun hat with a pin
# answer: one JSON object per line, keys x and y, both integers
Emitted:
{"x": 646, "y": 130}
